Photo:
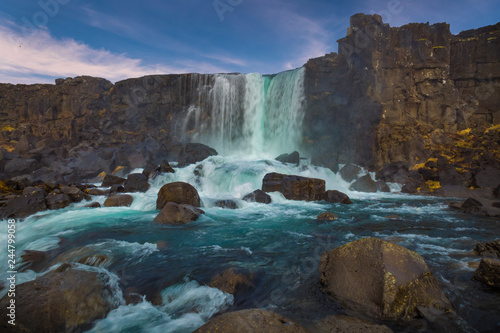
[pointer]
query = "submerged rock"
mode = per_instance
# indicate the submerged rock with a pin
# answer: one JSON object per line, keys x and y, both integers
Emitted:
{"x": 294, "y": 187}
{"x": 258, "y": 196}
{"x": 233, "y": 282}
{"x": 230, "y": 204}
{"x": 250, "y": 321}
{"x": 381, "y": 279}
{"x": 119, "y": 200}
{"x": 64, "y": 300}
{"x": 364, "y": 184}
{"x": 178, "y": 192}
{"x": 334, "y": 196}
{"x": 327, "y": 216}
{"x": 488, "y": 272}
{"x": 177, "y": 214}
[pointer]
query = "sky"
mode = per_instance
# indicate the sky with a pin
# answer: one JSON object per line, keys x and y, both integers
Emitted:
{"x": 41, "y": 40}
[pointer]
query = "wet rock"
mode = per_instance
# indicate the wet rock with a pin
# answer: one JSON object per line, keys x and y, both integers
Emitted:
{"x": 381, "y": 279}
{"x": 382, "y": 187}
{"x": 58, "y": 201}
{"x": 193, "y": 153}
{"x": 334, "y": 196}
{"x": 364, "y": 184}
{"x": 116, "y": 189}
{"x": 176, "y": 214}
{"x": 136, "y": 182}
{"x": 347, "y": 324}
{"x": 178, "y": 192}
{"x": 165, "y": 168}
{"x": 96, "y": 191}
{"x": 75, "y": 193}
{"x": 32, "y": 201}
{"x": 77, "y": 299}
{"x": 293, "y": 158}
{"x": 349, "y": 172}
{"x": 230, "y": 204}
{"x": 250, "y": 321}
{"x": 150, "y": 170}
{"x": 258, "y": 196}
{"x": 233, "y": 282}
{"x": 34, "y": 260}
{"x": 327, "y": 216}
{"x": 488, "y": 272}
{"x": 110, "y": 180}
{"x": 489, "y": 249}
{"x": 96, "y": 260}
{"x": 93, "y": 205}
{"x": 119, "y": 200}
{"x": 294, "y": 187}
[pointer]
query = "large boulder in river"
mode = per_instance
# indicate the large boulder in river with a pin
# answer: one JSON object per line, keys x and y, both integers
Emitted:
{"x": 64, "y": 300}
{"x": 258, "y": 196}
{"x": 349, "y": 172}
{"x": 176, "y": 214}
{"x": 488, "y": 272}
{"x": 294, "y": 187}
{"x": 364, "y": 184}
{"x": 293, "y": 158}
{"x": 334, "y": 196}
{"x": 193, "y": 153}
{"x": 110, "y": 180}
{"x": 250, "y": 321}
{"x": 233, "y": 282}
{"x": 58, "y": 200}
{"x": 136, "y": 182}
{"x": 381, "y": 279}
{"x": 179, "y": 192}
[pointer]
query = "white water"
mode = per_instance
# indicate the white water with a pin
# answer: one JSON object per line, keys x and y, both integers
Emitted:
{"x": 247, "y": 114}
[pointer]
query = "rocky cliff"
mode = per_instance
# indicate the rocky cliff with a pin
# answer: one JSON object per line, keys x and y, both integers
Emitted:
{"x": 391, "y": 94}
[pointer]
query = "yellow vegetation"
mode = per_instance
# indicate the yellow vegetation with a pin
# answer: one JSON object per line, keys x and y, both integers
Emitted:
{"x": 493, "y": 128}
{"x": 7, "y": 128}
{"x": 118, "y": 169}
{"x": 439, "y": 47}
{"x": 432, "y": 185}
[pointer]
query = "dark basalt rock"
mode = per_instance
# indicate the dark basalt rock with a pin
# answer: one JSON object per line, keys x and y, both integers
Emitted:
{"x": 193, "y": 153}
{"x": 178, "y": 192}
{"x": 258, "y": 196}
{"x": 32, "y": 201}
{"x": 383, "y": 187}
{"x": 110, "y": 180}
{"x": 233, "y": 282}
{"x": 177, "y": 214}
{"x": 488, "y": 272}
{"x": 489, "y": 249}
{"x": 381, "y": 279}
{"x": 337, "y": 197}
{"x": 293, "y": 158}
{"x": 58, "y": 201}
{"x": 75, "y": 193}
{"x": 349, "y": 172}
{"x": 250, "y": 321}
{"x": 364, "y": 184}
{"x": 136, "y": 182}
{"x": 230, "y": 204}
{"x": 294, "y": 187}
{"x": 165, "y": 168}
{"x": 119, "y": 200}
{"x": 327, "y": 216}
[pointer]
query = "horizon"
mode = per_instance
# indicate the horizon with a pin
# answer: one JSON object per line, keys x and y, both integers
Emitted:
{"x": 49, "y": 39}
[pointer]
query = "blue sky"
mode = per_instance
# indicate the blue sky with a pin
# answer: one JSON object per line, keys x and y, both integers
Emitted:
{"x": 44, "y": 39}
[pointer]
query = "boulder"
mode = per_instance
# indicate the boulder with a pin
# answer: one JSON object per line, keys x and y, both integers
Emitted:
{"x": 165, "y": 168}
{"x": 410, "y": 187}
{"x": 381, "y": 279}
{"x": 178, "y": 192}
{"x": 349, "y": 172}
{"x": 119, "y": 200}
{"x": 96, "y": 191}
{"x": 294, "y": 187}
{"x": 193, "y": 153}
{"x": 233, "y": 282}
{"x": 334, "y": 196}
{"x": 293, "y": 158}
{"x": 136, "y": 182}
{"x": 347, "y": 324}
{"x": 64, "y": 300}
{"x": 150, "y": 170}
{"x": 110, "y": 180}
{"x": 258, "y": 196}
{"x": 488, "y": 272}
{"x": 250, "y": 321}
{"x": 75, "y": 193}
{"x": 93, "y": 205}
{"x": 489, "y": 249}
{"x": 364, "y": 184}
{"x": 394, "y": 172}
{"x": 327, "y": 216}
{"x": 116, "y": 189}
{"x": 32, "y": 201}
{"x": 473, "y": 206}
{"x": 383, "y": 187}
{"x": 58, "y": 201}
{"x": 176, "y": 214}
{"x": 230, "y": 204}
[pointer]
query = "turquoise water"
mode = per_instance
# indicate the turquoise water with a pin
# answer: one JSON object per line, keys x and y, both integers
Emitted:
{"x": 280, "y": 243}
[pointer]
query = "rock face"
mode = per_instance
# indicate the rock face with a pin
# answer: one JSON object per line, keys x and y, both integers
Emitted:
{"x": 398, "y": 85}
{"x": 258, "y": 196}
{"x": 77, "y": 298}
{"x": 176, "y": 214}
{"x": 250, "y": 321}
{"x": 489, "y": 249}
{"x": 488, "y": 272}
{"x": 294, "y": 187}
{"x": 381, "y": 279}
{"x": 178, "y": 192}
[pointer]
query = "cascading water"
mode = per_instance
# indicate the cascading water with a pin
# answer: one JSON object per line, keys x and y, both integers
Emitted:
{"x": 248, "y": 114}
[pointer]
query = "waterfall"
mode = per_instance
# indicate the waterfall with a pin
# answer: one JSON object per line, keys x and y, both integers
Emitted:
{"x": 247, "y": 114}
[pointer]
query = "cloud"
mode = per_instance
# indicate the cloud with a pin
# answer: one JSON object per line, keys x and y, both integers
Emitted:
{"x": 39, "y": 57}
{"x": 226, "y": 59}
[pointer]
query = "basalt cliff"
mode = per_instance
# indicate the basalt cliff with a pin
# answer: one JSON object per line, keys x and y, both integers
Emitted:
{"x": 416, "y": 97}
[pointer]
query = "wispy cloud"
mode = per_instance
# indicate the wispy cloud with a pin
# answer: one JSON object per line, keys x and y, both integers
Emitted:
{"x": 39, "y": 57}
{"x": 226, "y": 59}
